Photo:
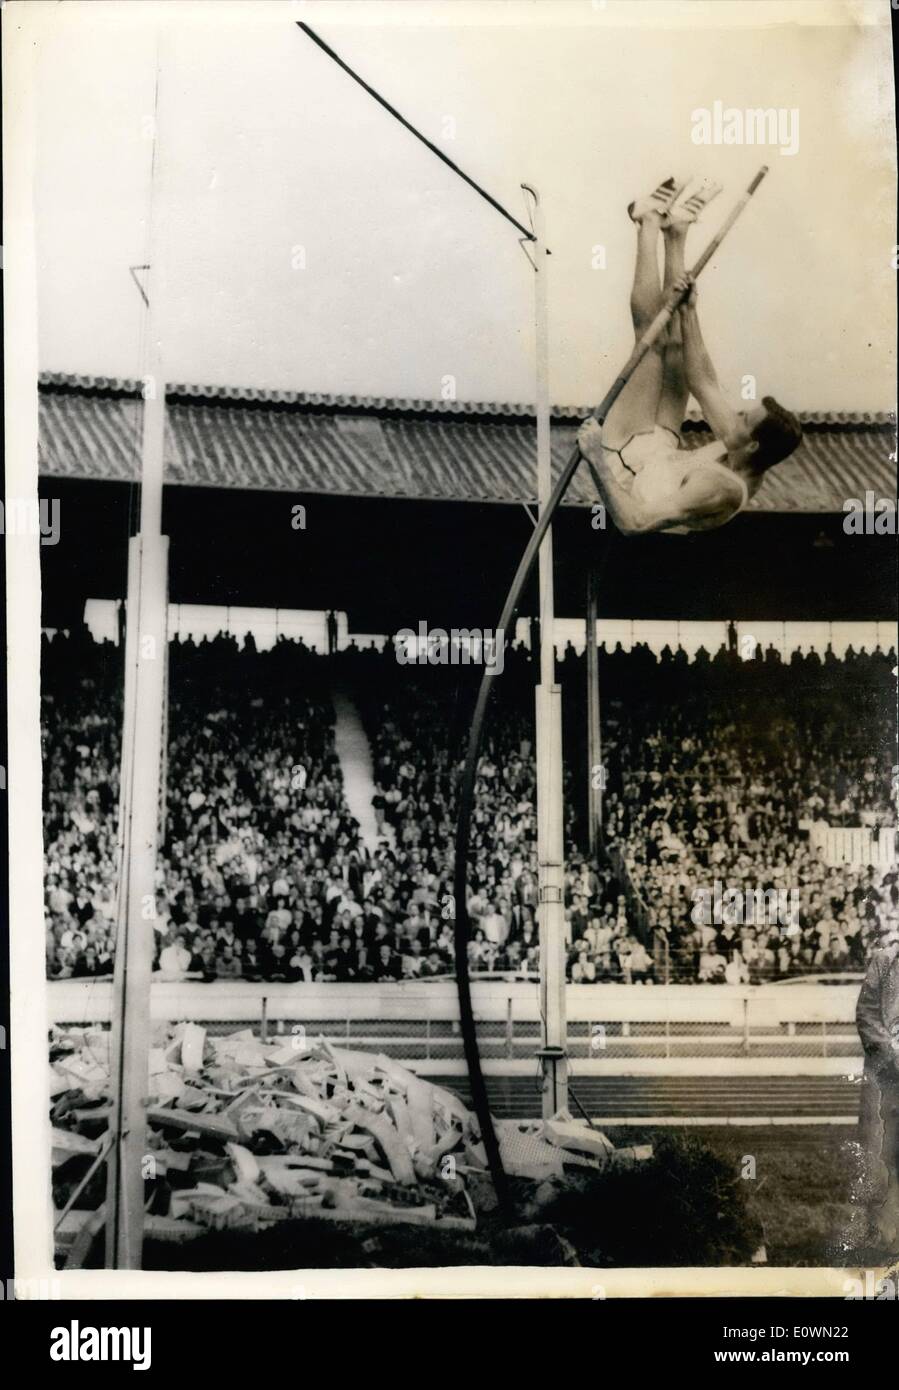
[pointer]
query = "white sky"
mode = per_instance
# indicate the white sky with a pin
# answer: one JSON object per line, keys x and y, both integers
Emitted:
{"x": 263, "y": 145}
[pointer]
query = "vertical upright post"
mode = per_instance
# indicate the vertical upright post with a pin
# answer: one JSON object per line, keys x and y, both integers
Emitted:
{"x": 139, "y": 806}
{"x": 550, "y": 855}
{"x": 550, "y": 843}
{"x": 163, "y": 790}
{"x": 595, "y": 771}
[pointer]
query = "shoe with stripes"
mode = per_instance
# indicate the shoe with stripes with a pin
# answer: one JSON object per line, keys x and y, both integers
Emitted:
{"x": 690, "y": 202}
{"x": 658, "y": 201}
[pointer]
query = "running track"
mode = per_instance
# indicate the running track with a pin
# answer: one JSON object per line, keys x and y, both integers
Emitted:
{"x": 814, "y": 1099}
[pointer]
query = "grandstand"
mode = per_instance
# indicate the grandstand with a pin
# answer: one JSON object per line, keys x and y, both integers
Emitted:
{"x": 261, "y": 849}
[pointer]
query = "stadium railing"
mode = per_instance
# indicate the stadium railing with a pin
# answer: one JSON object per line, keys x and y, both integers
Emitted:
{"x": 609, "y": 1026}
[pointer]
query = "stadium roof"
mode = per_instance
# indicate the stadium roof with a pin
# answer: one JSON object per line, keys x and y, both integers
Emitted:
{"x": 374, "y": 447}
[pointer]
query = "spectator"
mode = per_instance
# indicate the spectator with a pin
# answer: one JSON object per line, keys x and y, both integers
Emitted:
{"x": 717, "y": 769}
{"x": 227, "y": 965}
{"x": 175, "y": 959}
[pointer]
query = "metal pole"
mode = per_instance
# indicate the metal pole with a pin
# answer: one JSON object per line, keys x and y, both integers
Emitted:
{"x": 553, "y": 1052}
{"x": 544, "y": 454}
{"x": 163, "y": 798}
{"x": 146, "y": 638}
{"x": 139, "y": 814}
{"x": 550, "y": 842}
{"x": 595, "y": 772}
{"x": 153, "y": 441}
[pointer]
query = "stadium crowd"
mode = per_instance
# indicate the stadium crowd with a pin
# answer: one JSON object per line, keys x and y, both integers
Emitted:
{"x": 264, "y": 874}
{"x": 723, "y": 795}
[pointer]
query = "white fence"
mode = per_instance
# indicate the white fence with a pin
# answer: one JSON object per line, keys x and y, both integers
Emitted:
{"x": 856, "y": 844}
{"x": 420, "y": 1022}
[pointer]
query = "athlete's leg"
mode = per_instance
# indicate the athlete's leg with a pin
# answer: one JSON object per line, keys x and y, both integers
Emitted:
{"x": 685, "y": 209}
{"x": 636, "y": 407}
{"x": 646, "y": 291}
{"x": 675, "y": 392}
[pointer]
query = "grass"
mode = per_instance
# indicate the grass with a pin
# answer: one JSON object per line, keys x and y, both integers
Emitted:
{"x": 804, "y": 1194}
{"x": 711, "y": 1197}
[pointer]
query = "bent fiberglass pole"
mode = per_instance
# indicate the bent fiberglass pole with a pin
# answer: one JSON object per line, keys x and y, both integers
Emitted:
{"x": 462, "y": 926}
{"x": 466, "y": 797}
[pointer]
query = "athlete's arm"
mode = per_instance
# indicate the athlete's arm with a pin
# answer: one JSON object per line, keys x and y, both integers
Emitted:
{"x": 702, "y": 380}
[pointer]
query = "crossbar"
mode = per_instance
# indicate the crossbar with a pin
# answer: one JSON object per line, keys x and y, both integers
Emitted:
{"x": 435, "y": 149}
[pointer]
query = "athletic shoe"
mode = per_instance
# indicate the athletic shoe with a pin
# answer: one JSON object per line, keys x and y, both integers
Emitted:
{"x": 658, "y": 202}
{"x": 690, "y": 202}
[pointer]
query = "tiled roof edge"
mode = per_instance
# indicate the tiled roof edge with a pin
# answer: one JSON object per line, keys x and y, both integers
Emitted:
{"x": 180, "y": 393}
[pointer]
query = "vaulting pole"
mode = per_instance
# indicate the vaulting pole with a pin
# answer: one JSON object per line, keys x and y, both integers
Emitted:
{"x": 548, "y": 700}
{"x": 520, "y": 578}
{"x": 595, "y": 771}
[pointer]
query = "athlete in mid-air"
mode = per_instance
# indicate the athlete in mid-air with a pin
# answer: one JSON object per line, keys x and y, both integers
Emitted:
{"x": 649, "y": 480}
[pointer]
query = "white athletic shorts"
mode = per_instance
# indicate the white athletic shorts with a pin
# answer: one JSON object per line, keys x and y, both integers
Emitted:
{"x": 653, "y": 467}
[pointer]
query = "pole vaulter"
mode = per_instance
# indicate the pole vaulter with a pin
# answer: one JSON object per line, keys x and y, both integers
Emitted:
{"x": 681, "y": 293}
